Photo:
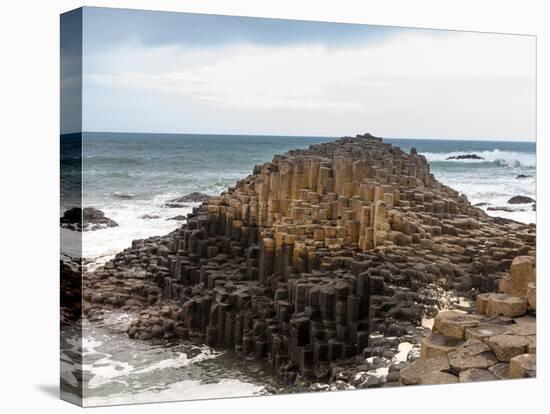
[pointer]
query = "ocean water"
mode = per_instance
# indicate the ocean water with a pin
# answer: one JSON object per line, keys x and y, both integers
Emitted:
{"x": 118, "y": 370}
{"x": 131, "y": 175}
{"x": 493, "y": 180}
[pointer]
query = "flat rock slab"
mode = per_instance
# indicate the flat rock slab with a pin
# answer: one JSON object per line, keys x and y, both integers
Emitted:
{"x": 476, "y": 374}
{"x": 523, "y": 329}
{"x": 472, "y": 354}
{"x": 506, "y": 347}
{"x": 410, "y": 375}
{"x": 526, "y": 319}
{"x": 501, "y": 304}
{"x": 437, "y": 377}
{"x": 436, "y": 344}
{"x": 500, "y": 370}
{"x": 454, "y": 324}
{"x": 486, "y": 331}
{"x": 523, "y": 366}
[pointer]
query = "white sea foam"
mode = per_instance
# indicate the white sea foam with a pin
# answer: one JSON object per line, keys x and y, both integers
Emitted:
{"x": 179, "y": 361}
{"x": 178, "y": 391}
{"x": 492, "y": 187}
{"x": 504, "y": 158}
{"x": 108, "y": 369}
{"x": 104, "y": 243}
{"x": 403, "y": 352}
{"x": 105, "y": 371}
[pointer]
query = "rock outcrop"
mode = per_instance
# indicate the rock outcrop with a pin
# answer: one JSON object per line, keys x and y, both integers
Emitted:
{"x": 305, "y": 260}
{"x": 497, "y": 342}
{"x": 194, "y": 197}
{"x": 86, "y": 219}
{"x": 520, "y": 200}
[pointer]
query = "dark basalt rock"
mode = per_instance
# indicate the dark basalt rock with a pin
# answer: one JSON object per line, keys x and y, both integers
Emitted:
{"x": 149, "y": 217}
{"x": 481, "y": 204}
{"x": 502, "y": 220}
{"x": 520, "y": 176}
{"x": 170, "y": 204}
{"x": 194, "y": 197}
{"x": 86, "y": 219}
{"x": 71, "y": 292}
{"x": 178, "y": 218}
{"x": 520, "y": 200}
{"x": 466, "y": 157}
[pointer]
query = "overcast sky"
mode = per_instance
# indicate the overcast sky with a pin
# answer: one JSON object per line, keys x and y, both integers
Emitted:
{"x": 190, "y": 73}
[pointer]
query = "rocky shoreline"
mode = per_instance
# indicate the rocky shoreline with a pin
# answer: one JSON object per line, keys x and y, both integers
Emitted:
{"x": 323, "y": 262}
{"x": 497, "y": 341}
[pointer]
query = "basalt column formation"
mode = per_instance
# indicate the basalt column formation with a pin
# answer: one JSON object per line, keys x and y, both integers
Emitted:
{"x": 304, "y": 258}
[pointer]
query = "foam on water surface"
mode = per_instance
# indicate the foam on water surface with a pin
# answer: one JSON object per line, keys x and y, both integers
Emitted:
{"x": 120, "y": 370}
{"x": 181, "y": 390}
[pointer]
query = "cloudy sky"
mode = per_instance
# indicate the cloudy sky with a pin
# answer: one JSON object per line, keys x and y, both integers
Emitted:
{"x": 190, "y": 73}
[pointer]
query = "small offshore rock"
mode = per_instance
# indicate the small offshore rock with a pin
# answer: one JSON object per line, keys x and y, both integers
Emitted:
{"x": 89, "y": 218}
{"x": 149, "y": 217}
{"x": 466, "y": 157}
{"x": 171, "y": 204}
{"x": 521, "y": 200}
{"x": 194, "y": 197}
{"x": 178, "y": 218}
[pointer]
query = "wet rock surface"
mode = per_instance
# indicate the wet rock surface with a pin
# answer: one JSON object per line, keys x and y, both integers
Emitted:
{"x": 86, "y": 219}
{"x": 521, "y": 200}
{"x": 322, "y": 262}
{"x": 194, "y": 197}
{"x": 178, "y": 218}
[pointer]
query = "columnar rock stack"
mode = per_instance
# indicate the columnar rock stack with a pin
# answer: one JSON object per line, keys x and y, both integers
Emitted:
{"x": 304, "y": 258}
{"x": 497, "y": 342}
{"x": 307, "y": 209}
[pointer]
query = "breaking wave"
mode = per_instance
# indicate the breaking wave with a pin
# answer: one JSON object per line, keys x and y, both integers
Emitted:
{"x": 511, "y": 159}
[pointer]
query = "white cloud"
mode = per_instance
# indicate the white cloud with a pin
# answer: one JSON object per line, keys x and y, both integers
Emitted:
{"x": 452, "y": 85}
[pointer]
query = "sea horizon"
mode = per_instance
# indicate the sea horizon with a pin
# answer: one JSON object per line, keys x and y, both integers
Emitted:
{"x": 301, "y": 136}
